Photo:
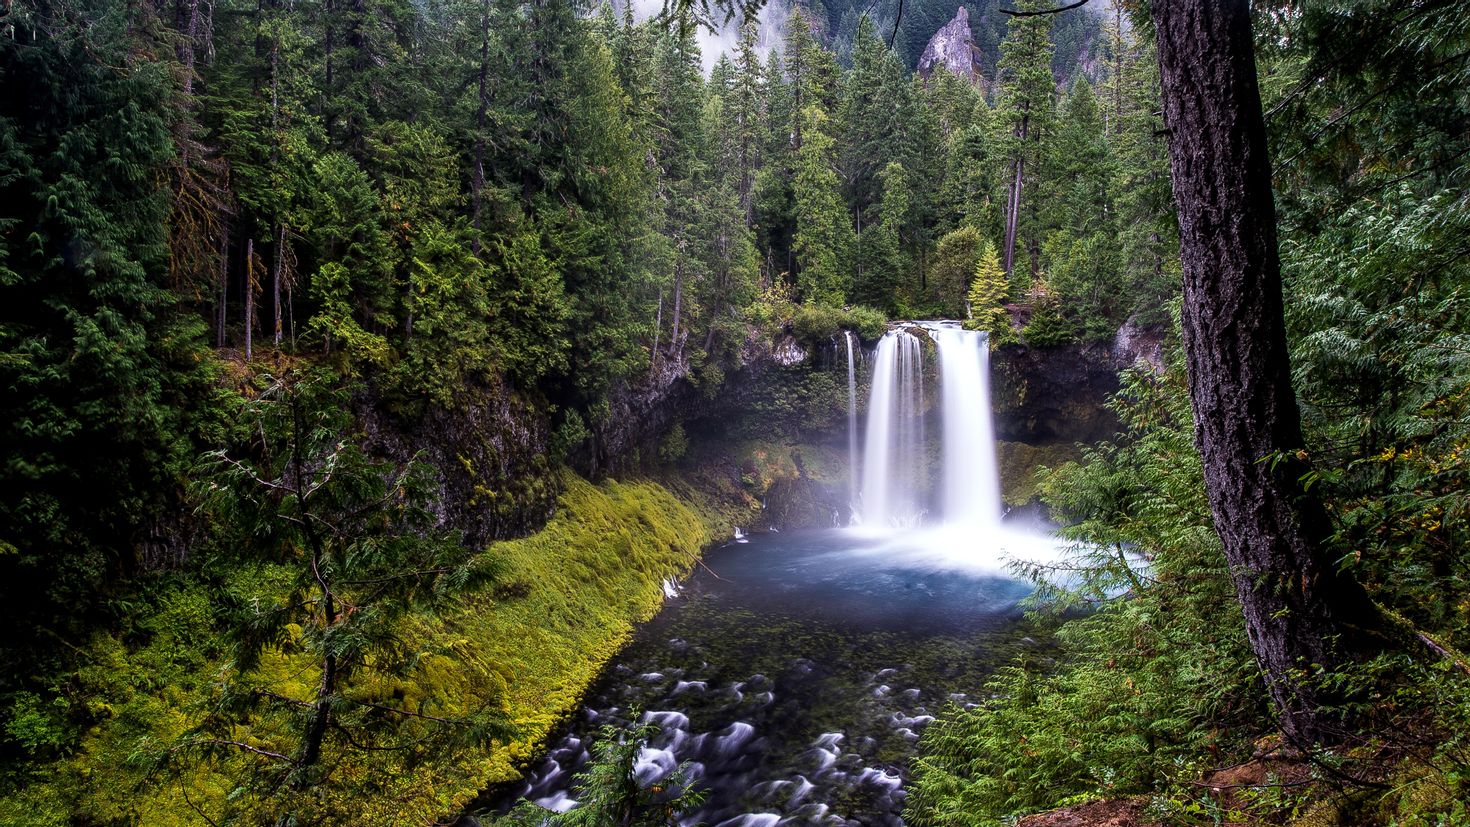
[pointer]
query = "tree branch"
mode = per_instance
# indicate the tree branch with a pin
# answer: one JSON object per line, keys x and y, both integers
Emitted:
{"x": 1077, "y": 5}
{"x": 221, "y": 742}
{"x": 396, "y": 711}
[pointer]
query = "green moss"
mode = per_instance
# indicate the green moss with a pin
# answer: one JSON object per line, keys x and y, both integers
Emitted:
{"x": 532, "y": 643}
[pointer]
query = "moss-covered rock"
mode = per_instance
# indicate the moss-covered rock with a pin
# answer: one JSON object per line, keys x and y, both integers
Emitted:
{"x": 1053, "y": 395}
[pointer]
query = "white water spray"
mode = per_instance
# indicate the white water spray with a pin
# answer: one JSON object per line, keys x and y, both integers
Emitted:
{"x": 894, "y": 461}
{"x": 892, "y": 457}
{"x": 852, "y": 450}
{"x": 971, "y": 479}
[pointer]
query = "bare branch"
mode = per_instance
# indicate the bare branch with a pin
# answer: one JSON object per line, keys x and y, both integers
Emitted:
{"x": 1077, "y": 5}
{"x": 396, "y": 711}
{"x": 240, "y": 745}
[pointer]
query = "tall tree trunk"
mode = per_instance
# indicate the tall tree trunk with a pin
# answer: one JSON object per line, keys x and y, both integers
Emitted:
{"x": 477, "y": 181}
{"x": 276, "y": 281}
{"x": 1013, "y": 205}
{"x": 321, "y": 714}
{"x": 1300, "y": 610}
{"x": 674, "y": 343}
{"x": 1118, "y": 68}
{"x": 329, "y": 43}
{"x": 658, "y": 326}
{"x": 1013, "y": 210}
{"x": 249, "y": 294}
{"x": 224, "y": 283}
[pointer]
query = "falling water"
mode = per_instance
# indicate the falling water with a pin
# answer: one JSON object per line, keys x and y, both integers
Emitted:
{"x": 971, "y": 480}
{"x": 852, "y": 450}
{"x": 894, "y": 470}
{"x": 892, "y": 450}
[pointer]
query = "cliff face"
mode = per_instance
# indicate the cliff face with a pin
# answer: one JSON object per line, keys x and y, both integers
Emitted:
{"x": 490, "y": 455}
{"x": 1060, "y": 394}
{"x": 953, "y": 47}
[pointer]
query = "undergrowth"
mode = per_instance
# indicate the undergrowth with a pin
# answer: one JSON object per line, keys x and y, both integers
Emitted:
{"x": 1153, "y": 674}
{"x": 532, "y": 642}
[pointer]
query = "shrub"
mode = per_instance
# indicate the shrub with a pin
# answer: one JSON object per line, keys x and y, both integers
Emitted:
{"x": 817, "y": 323}
{"x": 869, "y": 324}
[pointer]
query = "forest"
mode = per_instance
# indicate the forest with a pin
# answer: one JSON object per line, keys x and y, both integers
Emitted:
{"x": 373, "y": 372}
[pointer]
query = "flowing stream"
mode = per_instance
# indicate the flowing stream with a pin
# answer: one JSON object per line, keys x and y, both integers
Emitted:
{"x": 794, "y": 673}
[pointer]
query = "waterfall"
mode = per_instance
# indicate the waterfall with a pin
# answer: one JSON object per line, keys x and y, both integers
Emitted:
{"x": 894, "y": 467}
{"x": 852, "y": 450}
{"x": 893, "y": 449}
{"x": 971, "y": 479}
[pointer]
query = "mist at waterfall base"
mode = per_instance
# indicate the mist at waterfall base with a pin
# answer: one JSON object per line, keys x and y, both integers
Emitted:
{"x": 792, "y": 672}
{"x": 929, "y": 500}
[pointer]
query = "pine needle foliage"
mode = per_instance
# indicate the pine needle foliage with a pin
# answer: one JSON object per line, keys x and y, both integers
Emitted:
{"x": 348, "y": 548}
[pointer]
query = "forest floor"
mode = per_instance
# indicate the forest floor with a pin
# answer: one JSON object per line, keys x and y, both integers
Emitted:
{"x": 1105, "y": 813}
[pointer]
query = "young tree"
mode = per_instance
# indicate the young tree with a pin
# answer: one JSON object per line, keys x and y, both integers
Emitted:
{"x": 1303, "y": 613}
{"x": 353, "y": 548}
{"x": 609, "y": 793}
{"x": 984, "y": 302}
{"x": 823, "y": 233}
{"x": 952, "y": 268}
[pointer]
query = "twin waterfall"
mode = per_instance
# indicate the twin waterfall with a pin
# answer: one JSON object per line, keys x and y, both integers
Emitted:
{"x": 892, "y": 479}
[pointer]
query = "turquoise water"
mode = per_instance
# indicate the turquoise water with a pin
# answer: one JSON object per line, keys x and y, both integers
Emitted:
{"x": 794, "y": 672}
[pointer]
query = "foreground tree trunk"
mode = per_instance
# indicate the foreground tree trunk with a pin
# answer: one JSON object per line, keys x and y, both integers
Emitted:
{"x": 1300, "y": 611}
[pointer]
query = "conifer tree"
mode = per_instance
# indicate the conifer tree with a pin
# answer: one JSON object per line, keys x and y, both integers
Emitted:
{"x": 365, "y": 550}
{"x": 95, "y": 355}
{"x": 952, "y": 269}
{"x": 743, "y": 107}
{"x": 823, "y": 233}
{"x": 985, "y": 299}
{"x": 1023, "y": 119}
{"x": 773, "y": 202}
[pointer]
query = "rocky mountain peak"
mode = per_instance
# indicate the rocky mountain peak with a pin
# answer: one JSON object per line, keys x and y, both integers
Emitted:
{"x": 953, "y": 47}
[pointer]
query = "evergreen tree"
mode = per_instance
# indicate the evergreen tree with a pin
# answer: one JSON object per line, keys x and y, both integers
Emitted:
{"x": 101, "y": 369}
{"x": 952, "y": 269}
{"x": 1022, "y": 122}
{"x": 984, "y": 300}
{"x": 823, "y": 233}
{"x": 364, "y": 550}
{"x": 1147, "y": 232}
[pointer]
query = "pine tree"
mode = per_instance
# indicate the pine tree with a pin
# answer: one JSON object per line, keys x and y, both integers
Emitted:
{"x": 100, "y": 365}
{"x": 952, "y": 269}
{"x": 1023, "y": 118}
{"x": 365, "y": 550}
{"x": 984, "y": 301}
{"x": 823, "y": 233}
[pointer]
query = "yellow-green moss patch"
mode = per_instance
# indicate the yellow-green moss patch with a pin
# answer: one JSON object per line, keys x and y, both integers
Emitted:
{"x": 532, "y": 643}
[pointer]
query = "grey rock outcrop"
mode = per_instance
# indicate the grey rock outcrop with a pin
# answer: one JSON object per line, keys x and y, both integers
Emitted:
{"x": 953, "y": 47}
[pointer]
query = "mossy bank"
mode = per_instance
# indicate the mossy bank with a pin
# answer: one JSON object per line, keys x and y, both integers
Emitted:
{"x": 568, "y": 597}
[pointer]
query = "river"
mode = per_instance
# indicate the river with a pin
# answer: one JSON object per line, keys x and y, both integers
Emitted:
{"x": 794, "y": 672}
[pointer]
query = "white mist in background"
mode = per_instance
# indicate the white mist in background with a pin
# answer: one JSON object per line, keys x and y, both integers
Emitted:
{"x": 770, "y": 21}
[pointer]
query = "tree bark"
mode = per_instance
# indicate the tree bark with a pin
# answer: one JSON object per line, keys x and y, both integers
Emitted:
{"x": 1013, "y": 205}
{"x": 675, "y": 342}
{"x": 1301, "y": 612}
{"x": 477, "y": 181}
{"x": 224, "y": 284}
{"x": 249, "y": 294}
{"x": 280, "y": 252}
